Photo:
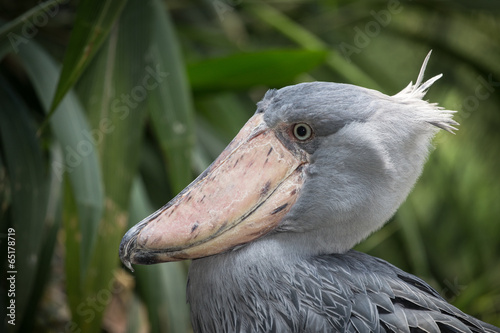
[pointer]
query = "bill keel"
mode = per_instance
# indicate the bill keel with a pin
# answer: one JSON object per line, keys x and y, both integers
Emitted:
{"x": 243, "y": 195}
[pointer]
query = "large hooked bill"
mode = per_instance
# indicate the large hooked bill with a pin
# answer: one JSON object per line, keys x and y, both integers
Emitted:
{"x": 242, "y": 196}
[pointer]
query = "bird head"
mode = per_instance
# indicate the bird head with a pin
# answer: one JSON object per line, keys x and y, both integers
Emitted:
{"x": 324, "y": 163}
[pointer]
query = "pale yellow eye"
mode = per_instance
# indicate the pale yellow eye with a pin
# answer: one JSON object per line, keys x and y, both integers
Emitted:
{"x": 302, "y": 131}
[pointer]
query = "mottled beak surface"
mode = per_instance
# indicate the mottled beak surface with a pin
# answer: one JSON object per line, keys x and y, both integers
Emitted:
{"x": 243, "y": 195}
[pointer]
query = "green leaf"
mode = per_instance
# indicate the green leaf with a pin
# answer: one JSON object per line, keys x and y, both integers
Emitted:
{"x": 23, "y": 28}
{"x": 137, "y": 320}
{"x": 80, "y": 158}
{"x": 152, "y": 170}
{"x": 72, "y": 246}
{"x": 273, "y": 68}
{"x": 161, "y": 287}
{"x": 225, "y": 113}
{"x": 52, "y": 225}
{"x": 115, "y": 89}
{"x": 93, "y": 22}
{"x": 28, "y": 190}
{"x": 408, "y": 221}
{"x": 209, "y": 140}
{"x": 300, "y": 35}
{"x": 170, "y": 106}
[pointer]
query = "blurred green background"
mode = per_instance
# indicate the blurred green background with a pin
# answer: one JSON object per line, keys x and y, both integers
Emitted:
{"x": 109, "y": 108}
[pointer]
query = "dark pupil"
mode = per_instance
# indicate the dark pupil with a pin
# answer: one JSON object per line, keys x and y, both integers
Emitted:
{"x": 301, "y": 131}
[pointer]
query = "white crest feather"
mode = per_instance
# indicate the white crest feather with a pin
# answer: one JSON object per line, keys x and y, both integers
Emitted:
{"x": 438, "y": 116}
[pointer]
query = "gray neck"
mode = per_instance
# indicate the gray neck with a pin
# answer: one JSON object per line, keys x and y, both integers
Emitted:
{"x": 237, "y": 284}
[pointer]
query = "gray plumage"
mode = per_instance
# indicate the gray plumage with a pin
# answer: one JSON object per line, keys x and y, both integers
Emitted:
{"x": 365, "y": 152}
{"x": 368, "y": 151}
{"x": 350, "y": 292}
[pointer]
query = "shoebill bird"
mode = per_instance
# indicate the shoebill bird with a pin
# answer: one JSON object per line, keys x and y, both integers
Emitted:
{"x": 271, "y": 223}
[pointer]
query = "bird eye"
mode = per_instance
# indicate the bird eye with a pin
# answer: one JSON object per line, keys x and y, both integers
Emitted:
{"x": 302, "y": 131}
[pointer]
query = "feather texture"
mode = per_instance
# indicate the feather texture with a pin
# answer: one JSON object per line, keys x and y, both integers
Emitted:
{"x": 415, "y": 92}
{"x": 351, "y": 292}
{"x": 367, "y": 152}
